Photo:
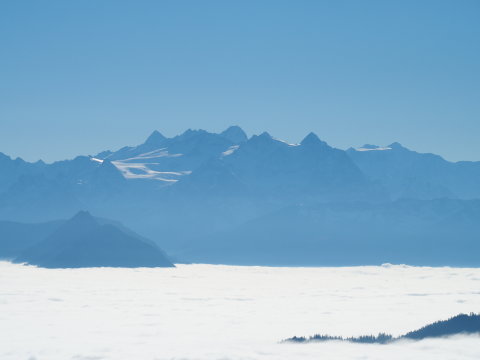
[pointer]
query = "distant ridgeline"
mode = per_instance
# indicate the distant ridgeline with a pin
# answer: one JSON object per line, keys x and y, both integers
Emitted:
{"x": 226, "y": 198}
{"x": 460, "y": 324}
{"x": 82, "y": 241}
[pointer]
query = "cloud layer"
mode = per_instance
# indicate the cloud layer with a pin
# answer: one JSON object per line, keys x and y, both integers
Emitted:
{"x": 227, "y": 312}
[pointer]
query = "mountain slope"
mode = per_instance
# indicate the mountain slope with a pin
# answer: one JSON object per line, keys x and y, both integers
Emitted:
{"x": 84, "y": 242}
{"x": 11, "y": 170}
{"x": 169, "y": 159}
{"x": 228, "y": 198}
{"x": 417, "y": 232}
{"x": 17, "y": 237}
{"x": 408, "y": 174}
{"x": 266, "y": 168}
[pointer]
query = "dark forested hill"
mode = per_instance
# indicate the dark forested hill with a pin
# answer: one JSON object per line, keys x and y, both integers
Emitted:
{"x": 460, "y": 324}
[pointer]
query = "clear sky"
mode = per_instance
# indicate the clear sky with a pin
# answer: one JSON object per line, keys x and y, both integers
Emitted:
{"x": 78, "y": 77}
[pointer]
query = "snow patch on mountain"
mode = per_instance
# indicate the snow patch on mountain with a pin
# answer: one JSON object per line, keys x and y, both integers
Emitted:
{"x": 371, "y": 148}
{"x": 230, "y": 150}
{"x": 143, "y": 171}
{"x": 284, "y": 142}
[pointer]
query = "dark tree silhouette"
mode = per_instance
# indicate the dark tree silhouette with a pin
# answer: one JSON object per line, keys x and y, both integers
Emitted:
{"x": 460, "y": 324}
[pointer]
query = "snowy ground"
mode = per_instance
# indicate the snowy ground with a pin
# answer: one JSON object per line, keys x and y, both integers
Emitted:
{"x": 226, "y": 312}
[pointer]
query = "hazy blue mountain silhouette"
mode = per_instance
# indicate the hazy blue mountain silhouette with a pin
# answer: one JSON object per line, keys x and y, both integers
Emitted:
{"x": 408, "y": 174}
{"x": 235, "y": 134}
{"x": 168, "y": 159}
{"x": 13, "y": 169}
{"x": 264, "y": 167}
{"x": 83, "y": 241}
{"x": 154, "y": 142}
{"x": 428, "y": 232}
{"x": 462, "y": 324}
{"x": 17, "y": 237}
{"x": 34, "y": 198}
{"x": 261, "y": 200}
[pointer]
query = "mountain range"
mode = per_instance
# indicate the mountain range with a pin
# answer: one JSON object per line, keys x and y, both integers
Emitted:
{"x": 230, "y": 198}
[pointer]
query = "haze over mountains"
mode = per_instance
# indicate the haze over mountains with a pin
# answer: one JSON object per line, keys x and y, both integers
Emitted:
{"x": 227, "y": 198}
{"x": 84, "y": 241}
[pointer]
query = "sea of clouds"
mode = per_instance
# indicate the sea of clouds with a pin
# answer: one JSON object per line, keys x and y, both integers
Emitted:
{"x": 210, "y": 312}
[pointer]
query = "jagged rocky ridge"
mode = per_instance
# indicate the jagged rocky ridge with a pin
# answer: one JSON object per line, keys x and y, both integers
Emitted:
{"x": 229, "y": 198}
{"x": 462, "y": 324}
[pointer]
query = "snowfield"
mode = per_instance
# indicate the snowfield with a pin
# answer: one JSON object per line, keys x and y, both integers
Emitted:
{"x": 228, "y": 312}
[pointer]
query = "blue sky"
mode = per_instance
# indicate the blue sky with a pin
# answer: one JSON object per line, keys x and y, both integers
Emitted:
{"x": 78, "y": 77}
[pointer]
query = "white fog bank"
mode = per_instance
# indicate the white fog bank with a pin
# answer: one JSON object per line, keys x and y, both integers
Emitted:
{"x": 207, "y": 312}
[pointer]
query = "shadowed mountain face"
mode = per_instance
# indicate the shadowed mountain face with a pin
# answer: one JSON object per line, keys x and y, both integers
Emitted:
{"x": 85, "y": 242}
{"x": 17, "y": 237}
{"x": 168, "y": 160}
{"x": 12, "y": 170}
{"x": 267, "y": 168}
{"x": 228, "y": 198}
{"x": 235, "y": 134}
{"x": 408, "y": 174}
{"x": 462, "y": 324}
{"x": 417, "y": 232}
